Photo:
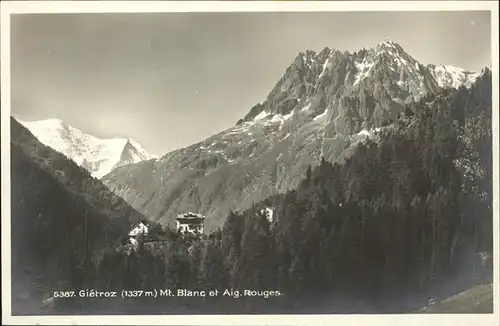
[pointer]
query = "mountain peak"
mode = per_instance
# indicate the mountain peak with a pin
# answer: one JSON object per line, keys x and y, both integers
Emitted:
{"x": 310, "y": 56}
{"x": 146, "y": 155}
{"x": 389, "y": 43}
{"x": 98, "y": 156}
{"x": 54, "y": 122}
{"x": 390, "y": 47}
{"x": 448, "y": 76}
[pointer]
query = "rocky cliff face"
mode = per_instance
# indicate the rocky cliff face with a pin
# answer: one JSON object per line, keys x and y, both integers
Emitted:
{"x": 355, "y": 91}
{"x": 320, "y": 108}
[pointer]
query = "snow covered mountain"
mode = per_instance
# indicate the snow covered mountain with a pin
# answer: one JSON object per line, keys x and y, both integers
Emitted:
{"x": 98, "y": 156}
{"x": 324, "y": 104}
{"x": 451, "y": 76}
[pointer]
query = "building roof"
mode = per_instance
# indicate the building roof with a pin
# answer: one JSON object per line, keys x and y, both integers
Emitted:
{"x": 138, "y": 223}
{"x": 138, "y": 228}
{"x": 190, "y": 215}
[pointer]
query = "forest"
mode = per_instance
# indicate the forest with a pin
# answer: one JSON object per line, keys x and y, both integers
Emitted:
{"x": 401, "y": 220}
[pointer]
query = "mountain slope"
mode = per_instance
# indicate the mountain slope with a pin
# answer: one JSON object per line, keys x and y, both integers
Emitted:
{"x": 62, "y": 221}
{"x": 478, "y": 299}
{"x": 99, "y": 156}
{"x": 322, "y": 106}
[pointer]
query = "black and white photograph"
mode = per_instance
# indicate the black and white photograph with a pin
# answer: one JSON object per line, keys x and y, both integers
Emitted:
{"x": 250, "y": 162}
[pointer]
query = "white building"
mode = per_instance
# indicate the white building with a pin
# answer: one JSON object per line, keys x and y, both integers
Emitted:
{"x": 190, "y": 223}
{"x": 139, "y": 229}
{"x": 268, "y": 213}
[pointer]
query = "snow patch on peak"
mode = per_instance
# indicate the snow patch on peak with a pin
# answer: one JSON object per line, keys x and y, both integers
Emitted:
{"x": 282, "y": 118}
{"x": 364, "y": 132}
{"x": 388, "y": 43}
{"x": 289, "y": 115}
{"x": 451, "y": 69}
{"x": 266, "y": 118}
{"x": 326, "y": 64}
{"x": 306, "y": 107}
{"x": 364, "y": 69}
{"x": 322, "y": 115}
{"x": 387, "y": 46}
{"x": 261, "y": 116}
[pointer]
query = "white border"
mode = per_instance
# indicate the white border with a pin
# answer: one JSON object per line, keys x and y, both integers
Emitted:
{"x": 8, "y": 8}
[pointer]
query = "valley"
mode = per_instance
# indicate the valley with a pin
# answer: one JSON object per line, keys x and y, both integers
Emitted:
{"x": 362, "y": 184}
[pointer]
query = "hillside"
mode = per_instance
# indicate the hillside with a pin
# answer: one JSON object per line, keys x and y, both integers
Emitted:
{"x": 478, "y": 299}
{"x": 62, "y": 222}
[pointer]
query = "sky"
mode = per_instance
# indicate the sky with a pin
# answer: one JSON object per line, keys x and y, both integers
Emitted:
{"x": 169, "y": 80}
